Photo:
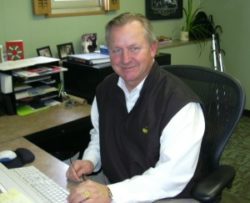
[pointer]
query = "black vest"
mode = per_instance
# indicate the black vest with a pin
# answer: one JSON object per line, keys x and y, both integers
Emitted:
{"x": 130, "y": 142}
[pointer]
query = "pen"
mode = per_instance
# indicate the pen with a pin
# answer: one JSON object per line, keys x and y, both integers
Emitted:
{"x": 84, "y": 178}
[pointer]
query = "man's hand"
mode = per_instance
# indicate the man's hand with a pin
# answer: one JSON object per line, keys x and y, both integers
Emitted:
{"x": 78, "y": 169}
{"x": 90, "y": 191}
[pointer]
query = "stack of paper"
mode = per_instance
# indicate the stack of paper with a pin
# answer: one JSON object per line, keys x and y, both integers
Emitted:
{"x": 90, "y": 58}
{"x": 31, "y": 92}
{"x": 38, "y": 71}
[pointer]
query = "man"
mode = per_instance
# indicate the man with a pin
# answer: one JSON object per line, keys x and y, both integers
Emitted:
{"x": 148, "y": 126}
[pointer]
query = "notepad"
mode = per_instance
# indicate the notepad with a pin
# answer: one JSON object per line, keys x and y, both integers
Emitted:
{"x": 26, "y": 110}
{"x": 14, "y": 196}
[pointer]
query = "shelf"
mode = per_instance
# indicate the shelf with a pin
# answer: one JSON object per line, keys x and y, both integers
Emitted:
{"x": 178, "y": 43}
{"x": 32, "y": 83}
{"x": 38, "y": 71}
{"x": 32, "y": 92}
{"x": 18, "y": 64}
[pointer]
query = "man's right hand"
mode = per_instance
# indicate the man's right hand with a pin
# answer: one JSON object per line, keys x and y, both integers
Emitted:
{"x": 78, "y": 169}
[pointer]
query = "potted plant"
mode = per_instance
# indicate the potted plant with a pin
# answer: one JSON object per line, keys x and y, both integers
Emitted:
{"x": 197, "y": 25}
{"x": 190, "y": 13}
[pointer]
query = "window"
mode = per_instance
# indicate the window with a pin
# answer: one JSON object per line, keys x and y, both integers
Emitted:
{"x": 73, "y": 7}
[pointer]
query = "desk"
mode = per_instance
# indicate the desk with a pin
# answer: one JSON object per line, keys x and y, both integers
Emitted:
{"x": 48, "y": 164}
{"x": 56, "y": 169}
{"x": 52, "y": 129}
{"x": 14, "y": 126}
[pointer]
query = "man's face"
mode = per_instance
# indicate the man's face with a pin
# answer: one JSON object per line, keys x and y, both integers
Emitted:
{"x": 131, "y": 54}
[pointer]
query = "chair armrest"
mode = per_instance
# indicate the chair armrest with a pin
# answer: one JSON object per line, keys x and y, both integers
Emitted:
{"x": 211, "y": 187}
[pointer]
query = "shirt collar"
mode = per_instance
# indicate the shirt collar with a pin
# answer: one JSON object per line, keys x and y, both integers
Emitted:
{"x": 121, "y": 84}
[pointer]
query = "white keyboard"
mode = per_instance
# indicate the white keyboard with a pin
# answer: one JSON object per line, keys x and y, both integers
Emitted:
{"x": 50, "y": 191}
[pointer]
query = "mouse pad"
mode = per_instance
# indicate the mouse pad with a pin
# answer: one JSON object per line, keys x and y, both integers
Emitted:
{"x": 24, "y": 156}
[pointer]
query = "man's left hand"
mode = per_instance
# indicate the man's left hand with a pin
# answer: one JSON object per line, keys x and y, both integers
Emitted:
{"x": 90, "y": 191}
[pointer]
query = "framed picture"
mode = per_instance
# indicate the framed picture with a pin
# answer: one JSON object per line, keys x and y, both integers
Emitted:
{"x": 44, "y": 51}
{"x": 89, "y": 42}
{"x": 65, "y": 49}
{"x": 164, "y": 9}
{"x": 1, "y": 53}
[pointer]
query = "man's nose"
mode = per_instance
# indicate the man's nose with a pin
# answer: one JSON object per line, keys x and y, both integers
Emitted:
{"x": 126, "y": 56}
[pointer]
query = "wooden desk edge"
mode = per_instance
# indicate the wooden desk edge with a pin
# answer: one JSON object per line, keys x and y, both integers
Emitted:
{"x": 14, "y": 126}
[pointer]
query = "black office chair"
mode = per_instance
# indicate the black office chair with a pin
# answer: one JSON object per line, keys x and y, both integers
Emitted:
{"x": 223, "y": 99}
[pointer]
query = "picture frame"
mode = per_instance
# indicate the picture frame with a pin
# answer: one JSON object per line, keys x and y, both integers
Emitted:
{"x": 89, "y": 42}
{"x": 44, "y": 51}
{"x": 164, "y": 9}
{"x": 65, "y": 49}
{"x": 1, "y": 53}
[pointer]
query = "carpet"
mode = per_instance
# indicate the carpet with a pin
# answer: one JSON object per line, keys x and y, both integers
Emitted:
{"x": 237, "y": 154}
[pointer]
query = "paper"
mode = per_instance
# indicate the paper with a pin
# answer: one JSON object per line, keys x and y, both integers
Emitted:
{"x": 90, "y": 59}
{"x": 31, "y": 92}
{"x": 11, "y": 65}
{"x": 14, "y": 196}
{"x": 91, "y": 56}
{"x": 38, "y": 71}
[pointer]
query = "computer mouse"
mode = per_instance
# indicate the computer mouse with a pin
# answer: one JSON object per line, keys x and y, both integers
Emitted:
{"x": 7, "y": 155}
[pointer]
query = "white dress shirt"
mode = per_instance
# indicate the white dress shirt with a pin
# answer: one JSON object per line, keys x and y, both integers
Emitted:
{"x": 180, "y": 145}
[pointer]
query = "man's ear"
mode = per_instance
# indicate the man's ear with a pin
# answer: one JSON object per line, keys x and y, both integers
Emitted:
{"x": 154, "y": 48}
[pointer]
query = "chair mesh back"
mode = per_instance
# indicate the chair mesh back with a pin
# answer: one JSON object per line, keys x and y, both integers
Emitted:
{"x": 223, "y": 101}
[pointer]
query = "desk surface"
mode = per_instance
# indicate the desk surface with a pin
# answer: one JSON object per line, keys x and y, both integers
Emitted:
{"x": 56, "y": 169}
{"x": 48, "y": 164}
{"x": 14, "y": 126}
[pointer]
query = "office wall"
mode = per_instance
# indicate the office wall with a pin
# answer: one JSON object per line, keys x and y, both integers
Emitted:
{"x": 234, "y": 18}
{"x": 18, "y": 22}
{"x": 195, "y": 54}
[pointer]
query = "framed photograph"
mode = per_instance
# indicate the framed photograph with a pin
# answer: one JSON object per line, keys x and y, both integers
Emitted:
{"x": 44, "y": 51}
{"x": 65, "y": 49}
{"x": 89, "y": 43}
{"x": 1, "y": 53}
{"x": 164, "y": 9}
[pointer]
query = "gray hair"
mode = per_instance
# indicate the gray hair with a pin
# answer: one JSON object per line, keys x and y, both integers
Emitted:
{"x": 125, "y": 18}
